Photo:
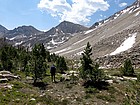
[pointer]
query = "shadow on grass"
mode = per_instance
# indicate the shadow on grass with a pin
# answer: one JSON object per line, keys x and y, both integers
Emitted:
{"x": 40, "y": 85}
{"x": 99, "y": 85}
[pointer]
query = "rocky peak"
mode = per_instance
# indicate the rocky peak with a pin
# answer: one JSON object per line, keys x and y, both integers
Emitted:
{"x": 69, "y": 27}
{"x": 66, "y": 27}
{"x": 3, "y": 30}
{"x": 23, "y": 30}
{"x": 137, "y": 3}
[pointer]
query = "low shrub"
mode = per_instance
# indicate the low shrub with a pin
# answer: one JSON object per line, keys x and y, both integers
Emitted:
{"x": 110, "y": 98}
{"x": 91, "y": 90}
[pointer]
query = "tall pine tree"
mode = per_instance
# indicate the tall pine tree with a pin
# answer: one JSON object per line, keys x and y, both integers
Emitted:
{"x": 90, "y": 70}
{"x": 6, "y": 58}
{"x": 39, "y": 56}
{"x": 87, "y": 63}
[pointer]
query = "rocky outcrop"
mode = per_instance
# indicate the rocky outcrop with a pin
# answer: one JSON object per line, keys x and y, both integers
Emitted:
{"x": 6, "y": 76}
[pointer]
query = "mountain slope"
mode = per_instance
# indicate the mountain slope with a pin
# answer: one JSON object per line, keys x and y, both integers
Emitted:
{"x": 3, "y": 30}
{"x": 107, "y": 35}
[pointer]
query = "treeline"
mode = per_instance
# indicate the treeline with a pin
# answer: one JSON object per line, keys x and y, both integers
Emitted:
{"x": 33, "y": 63}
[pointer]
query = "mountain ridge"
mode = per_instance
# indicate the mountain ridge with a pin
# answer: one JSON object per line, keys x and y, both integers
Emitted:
{"x": 26, "y": 30}
{"x": 106, "y": 36}
{"x": 28, "y": 35}
{"x": 136, "y": 5}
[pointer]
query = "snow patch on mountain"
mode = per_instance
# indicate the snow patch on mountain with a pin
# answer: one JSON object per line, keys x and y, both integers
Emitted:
{"x": 89, "y": 31}
{"x": 32, "y": 38}
{"x": 116, "y": 16}
{"x": 137, "y": 13}
{"x": 19, "y": 43}
{"x": 49, "y": 47}
{"x": 79, "y": 53}
{"x": 56, "y": 43}
{"x": 126, "y": 10}
{"x": 17, "y": 37}
{"x": 12, "y": 38}
{"x": 74, "y": 50}
{"x": 127, "y": 44}
{"x": 53, "y": 42}
{"x": 62, "y": 50}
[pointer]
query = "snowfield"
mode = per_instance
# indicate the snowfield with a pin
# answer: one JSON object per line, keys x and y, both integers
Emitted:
{"x": 127, "y": 44}
{"x": 60, "y": 51}
{"x": 16, "y": 44}
{"x": 53, "y": 42}
{"x": 56, "y": 43}
{"x": 137, "y": 13}
{"x": 79, "y": 53}
{"x": 89, "y": 31}
{"x": 74, "y": 50}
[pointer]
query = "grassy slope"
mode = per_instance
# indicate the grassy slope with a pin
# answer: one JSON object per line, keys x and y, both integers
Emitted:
{"x": 67, "y": 92}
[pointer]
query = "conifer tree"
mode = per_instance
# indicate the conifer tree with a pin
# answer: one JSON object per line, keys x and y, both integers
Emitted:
{"x": 6, "y": 58}
{"x": 90, "y": 70}
{"x": 128, "y": 69}
{"x": 43, "y": 51}
{"x": 61, "y": 64}
{"x": 87, "y": 63}
{"x": 39, "y": 56}
{"x": 48, "y": 56}
{"x": 97, "y": 75}
{"x": 54, "y": 57}
{"x": 25, "y": 57}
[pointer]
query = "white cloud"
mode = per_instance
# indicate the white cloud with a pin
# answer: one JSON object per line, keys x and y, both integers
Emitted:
{"x": 79, "y": 11}
{"x": 101, "y": 15}
{"x": 122, "y": 4}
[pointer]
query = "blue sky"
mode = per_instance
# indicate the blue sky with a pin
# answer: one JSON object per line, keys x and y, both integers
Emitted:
{"x": 45, "y": 14}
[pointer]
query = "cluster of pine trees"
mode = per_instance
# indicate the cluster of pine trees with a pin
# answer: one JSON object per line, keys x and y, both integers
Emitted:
{"x": 33, "y": 63}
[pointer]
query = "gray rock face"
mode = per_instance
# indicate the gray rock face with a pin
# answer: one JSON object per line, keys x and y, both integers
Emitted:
{"x": 3, "y": 30}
